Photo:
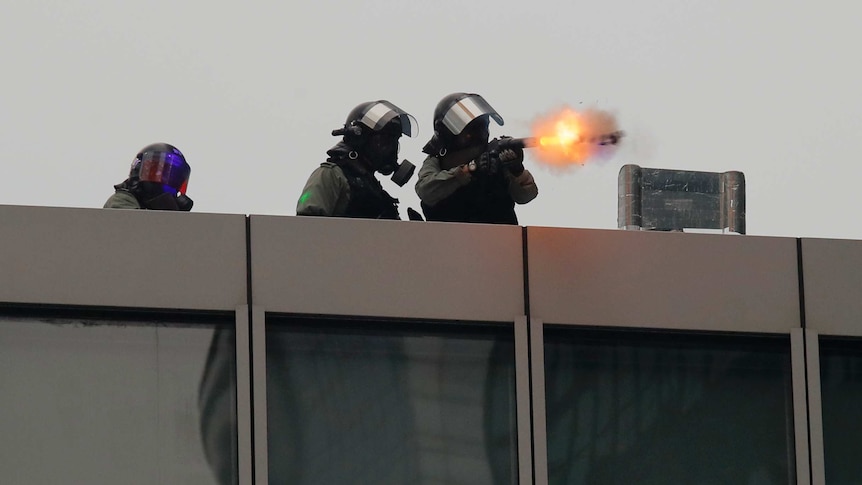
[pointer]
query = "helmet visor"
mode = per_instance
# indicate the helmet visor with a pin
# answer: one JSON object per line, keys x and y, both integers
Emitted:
{"x": 168, "y": 169}
{"x": 466, "y": 110}
{"x": 381, "y": 113}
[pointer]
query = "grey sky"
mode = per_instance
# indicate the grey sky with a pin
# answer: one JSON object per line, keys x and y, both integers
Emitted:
{"x": 250, "y": 92}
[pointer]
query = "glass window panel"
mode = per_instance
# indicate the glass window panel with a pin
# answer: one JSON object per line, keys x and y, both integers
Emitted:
{"x": 841, "y": 395}
{"x": 390, "y": 403}
{"x": 115, "y": 401}
{"x": 653, "y": 408}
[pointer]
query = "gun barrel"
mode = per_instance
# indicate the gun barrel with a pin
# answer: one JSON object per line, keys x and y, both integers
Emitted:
{"x": 529, "y": 142}
{"x": 532, "y": 142}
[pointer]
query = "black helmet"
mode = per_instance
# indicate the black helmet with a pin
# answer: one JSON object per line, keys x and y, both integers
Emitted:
{"x": 372, "y": 116}
{"x": 161, "y": 164}
{"x": 453, "y": 114}
{"x": 372, "y": 130}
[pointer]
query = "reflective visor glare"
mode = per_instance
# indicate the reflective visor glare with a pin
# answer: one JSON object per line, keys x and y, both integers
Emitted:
{"x": 168, "y": 169}
{"x": 383, "y": 112}
{"x": 378, "y": 115}
{"x": 466, "y": 110}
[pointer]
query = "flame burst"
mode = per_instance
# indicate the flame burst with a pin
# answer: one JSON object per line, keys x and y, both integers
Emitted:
{"x": 568, "y": 137}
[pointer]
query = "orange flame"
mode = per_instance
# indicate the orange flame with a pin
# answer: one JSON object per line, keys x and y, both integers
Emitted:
{"x": 567, "y": 137}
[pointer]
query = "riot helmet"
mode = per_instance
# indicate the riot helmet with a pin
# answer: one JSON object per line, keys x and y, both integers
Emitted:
{"x": 163, "y": 165}
{"x": 159, "y": 177}
{"x": 372, "y": 130}
{"x": 374, "y": 115}
{"x": 461, "y": 120}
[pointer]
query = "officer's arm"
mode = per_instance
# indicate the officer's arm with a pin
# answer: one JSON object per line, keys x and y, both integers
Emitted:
{"x": 435, "y": 184}
{"x": 522, "y": 188}
{"x": 325, "y": 193}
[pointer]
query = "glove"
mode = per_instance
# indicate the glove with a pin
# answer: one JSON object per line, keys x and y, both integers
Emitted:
{"x": 513, "y": 159}
{"x": 486, "y": 163}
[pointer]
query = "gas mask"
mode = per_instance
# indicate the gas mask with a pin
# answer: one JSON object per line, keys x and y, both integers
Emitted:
{"x": 403, "y": 173}
{"x": 382, "y": 151}
{"x": 373, "y": 129}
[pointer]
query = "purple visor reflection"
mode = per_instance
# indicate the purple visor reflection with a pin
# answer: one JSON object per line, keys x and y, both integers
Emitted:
{"x": 168, "y": 169}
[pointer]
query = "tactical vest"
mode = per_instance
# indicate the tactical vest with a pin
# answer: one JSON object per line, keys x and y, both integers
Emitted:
{"x": 368, "y": 200}
{"x": 485, "y": 200}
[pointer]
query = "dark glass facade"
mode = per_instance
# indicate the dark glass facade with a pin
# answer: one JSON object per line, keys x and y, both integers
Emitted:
{"x": 390, "y": 402}
{"x": 102, "y": 400}
{"x": 841, "y": 394}
{"x": 658, "y": 408}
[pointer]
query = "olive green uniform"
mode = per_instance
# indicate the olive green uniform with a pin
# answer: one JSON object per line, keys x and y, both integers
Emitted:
{"x": 122, "y": 199}
{"x": 326, "y": 193}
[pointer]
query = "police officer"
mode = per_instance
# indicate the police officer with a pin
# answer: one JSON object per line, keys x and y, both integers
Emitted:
{"x": 460, "y": 180}
{"x": 157, "y": 180}
{"x": 344, "y": 185}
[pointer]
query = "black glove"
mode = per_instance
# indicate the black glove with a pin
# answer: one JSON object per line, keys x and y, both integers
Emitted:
{"x": 513, "y": 159}
{"x": 486, "y": 163}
